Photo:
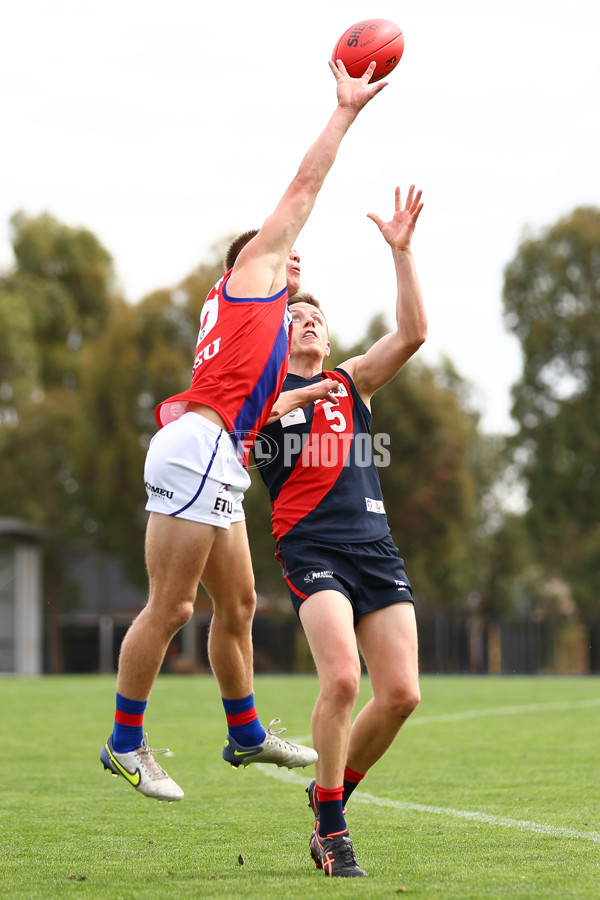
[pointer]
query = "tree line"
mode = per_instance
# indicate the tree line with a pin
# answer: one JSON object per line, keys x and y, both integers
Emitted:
{"x": 81, "y": 371}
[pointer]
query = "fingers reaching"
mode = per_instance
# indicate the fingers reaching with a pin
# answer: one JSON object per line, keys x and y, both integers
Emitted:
{"x": 356, "y": 85}
{"x": 398, "y": 231}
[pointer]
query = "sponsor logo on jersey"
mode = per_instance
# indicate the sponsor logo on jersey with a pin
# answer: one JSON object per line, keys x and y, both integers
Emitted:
{"x": 293, "y": 418}
{"x": 223, "y": 505}
{"x": 316, "y": 576}
{"x": 400, "y": 584}
{"x": 158, "y": 491}
{"x": 375, "y": 506}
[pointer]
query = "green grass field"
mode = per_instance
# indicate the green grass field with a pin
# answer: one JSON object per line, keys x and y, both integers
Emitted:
{"x": 491, "y": 791}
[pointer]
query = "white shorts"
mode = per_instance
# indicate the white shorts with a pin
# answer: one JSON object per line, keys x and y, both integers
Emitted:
{"x": 192, "y": 472}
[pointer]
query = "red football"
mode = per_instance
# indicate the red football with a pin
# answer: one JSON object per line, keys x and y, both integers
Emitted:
{"x": 371, "y": 39}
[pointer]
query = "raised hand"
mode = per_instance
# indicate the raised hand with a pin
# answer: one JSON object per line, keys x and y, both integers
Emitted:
{"x": 354, "y": 93}
{"x": 399, "y": 231}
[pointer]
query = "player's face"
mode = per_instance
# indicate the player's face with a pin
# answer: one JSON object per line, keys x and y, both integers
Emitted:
{"x": 309, "y": 331}
{"x": 293, "y": 272}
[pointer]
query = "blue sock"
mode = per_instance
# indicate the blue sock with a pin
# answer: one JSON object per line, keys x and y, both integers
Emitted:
{"x": 330, "y": 811}
{"x": 242, "y": 721}
{"x": 128, "y": 732}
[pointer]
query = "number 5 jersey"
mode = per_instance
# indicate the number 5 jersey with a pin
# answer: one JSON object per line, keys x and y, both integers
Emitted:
{"x": 319, "y": 464}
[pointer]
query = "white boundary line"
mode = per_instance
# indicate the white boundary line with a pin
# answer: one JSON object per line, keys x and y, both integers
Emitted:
{"x": 481, "y": 818}
{"x": 556, "y": 706}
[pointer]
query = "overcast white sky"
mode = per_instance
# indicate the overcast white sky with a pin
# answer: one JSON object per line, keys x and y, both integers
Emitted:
{"x": 163, "y": 126}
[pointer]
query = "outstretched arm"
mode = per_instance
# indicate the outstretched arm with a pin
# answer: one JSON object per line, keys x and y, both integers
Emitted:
{"x": 386, "y": 357}
{"x": 260, "y": 268}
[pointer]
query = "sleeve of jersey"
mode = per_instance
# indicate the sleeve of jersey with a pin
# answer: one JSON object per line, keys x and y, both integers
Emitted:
{"x": 319, "y": 465}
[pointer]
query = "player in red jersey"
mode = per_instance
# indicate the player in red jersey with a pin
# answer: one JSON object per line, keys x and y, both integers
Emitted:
{"x": 196, "y": 478}
{"x": 345, "y": 575}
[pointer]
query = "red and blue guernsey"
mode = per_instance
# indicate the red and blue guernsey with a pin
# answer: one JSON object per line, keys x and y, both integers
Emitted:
{"x": 320, "y": 468}
{"x": 240, "y": 364}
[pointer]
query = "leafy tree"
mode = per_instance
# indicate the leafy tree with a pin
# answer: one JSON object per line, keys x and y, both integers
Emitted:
{"x": 434, "y": 484}
{"x": 80, "y": 374}
{"x": 552, "y": 304}
{"x": 19, "y": 353}
{"x": 52, "y": 253}
{"x": 57, "y": 295}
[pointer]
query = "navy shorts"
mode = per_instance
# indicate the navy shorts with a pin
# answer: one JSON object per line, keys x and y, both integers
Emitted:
{"x": 370, "y": 575}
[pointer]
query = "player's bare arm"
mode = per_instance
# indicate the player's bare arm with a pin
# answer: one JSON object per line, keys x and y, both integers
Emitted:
{"x": 386, "y": 357}
{"x": 302, "y": 397}
{"x": 260, "y": 267}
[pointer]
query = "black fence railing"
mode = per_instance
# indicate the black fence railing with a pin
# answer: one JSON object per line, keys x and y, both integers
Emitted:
{"x": 449, "y": 641}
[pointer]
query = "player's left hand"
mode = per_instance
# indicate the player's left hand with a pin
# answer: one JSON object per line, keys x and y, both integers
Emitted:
{"x": 399, "y": 231}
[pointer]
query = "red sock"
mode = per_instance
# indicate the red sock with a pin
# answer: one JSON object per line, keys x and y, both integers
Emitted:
{"x": 242, "y": 721}
{"x": 326, "y": 794}
{"x": 351, "y": 780}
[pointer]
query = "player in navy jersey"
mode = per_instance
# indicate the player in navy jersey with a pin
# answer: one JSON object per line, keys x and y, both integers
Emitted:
{"x": 195, "y": 477}
{"x": 345, "y": 575}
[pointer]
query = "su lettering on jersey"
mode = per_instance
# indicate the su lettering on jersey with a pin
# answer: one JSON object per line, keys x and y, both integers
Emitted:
{"x": 208, "y": 319}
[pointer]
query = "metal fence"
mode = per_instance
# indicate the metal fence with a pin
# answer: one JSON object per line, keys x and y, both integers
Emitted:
{"x": 450, "y": 642}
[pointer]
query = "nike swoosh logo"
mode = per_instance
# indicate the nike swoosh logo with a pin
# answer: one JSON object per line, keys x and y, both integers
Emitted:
{"x": 133, "y": 778}
{"x": 245, "y": 752}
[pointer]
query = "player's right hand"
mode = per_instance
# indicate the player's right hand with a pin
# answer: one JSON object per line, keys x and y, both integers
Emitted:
{"x": 354, "y": 93}
{"x": 300, "y": 398}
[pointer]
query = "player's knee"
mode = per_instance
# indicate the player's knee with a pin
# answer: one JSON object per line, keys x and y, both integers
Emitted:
{"x": 402, "y": 700}
{"x": 342, "y": 686}
{"x": 235, "y": 613}
{"x": 179, "y": 616}
{"x": 243, "y": 612}
{"x": 166, "y": 611}
{"x": 248, "y": 603}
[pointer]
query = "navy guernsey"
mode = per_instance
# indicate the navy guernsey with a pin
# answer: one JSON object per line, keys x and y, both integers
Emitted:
{"x": 322, "y": 479}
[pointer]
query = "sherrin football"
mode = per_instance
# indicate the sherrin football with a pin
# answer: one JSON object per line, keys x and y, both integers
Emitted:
{"x": 371, "y": 39}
